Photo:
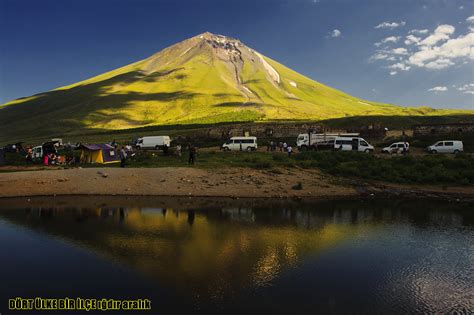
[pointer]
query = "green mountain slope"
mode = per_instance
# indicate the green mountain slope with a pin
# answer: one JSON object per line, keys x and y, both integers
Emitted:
{"x": 205, "y": 79}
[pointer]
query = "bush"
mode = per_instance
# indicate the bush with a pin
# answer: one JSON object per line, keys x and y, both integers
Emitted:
{"x": 405, "y": 169}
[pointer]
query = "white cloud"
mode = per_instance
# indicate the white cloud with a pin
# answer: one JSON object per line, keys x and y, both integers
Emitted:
{"x": 390, "y": 39}
{"x": 439, "y": 57}
{"x": 393, "y": 72}
{"x": 378, "y": 56}
{"x": 439, "y": 64}
{"x": 399, "y": 66}
{"x": 467, "y": 88}
{"x": 411, "y": 39}
{"x": 417, "y": 31}
{"x": 335, "y": 33}
{"x": 470, "y": 19}
{"x": 437, "y": 50}
{"x": 441, "y": 33}
{"x": 438, "y": 89}
{"x": 400, "y": 51}
{"x": 390, "y": 25}
{"x": 461, "y": 7}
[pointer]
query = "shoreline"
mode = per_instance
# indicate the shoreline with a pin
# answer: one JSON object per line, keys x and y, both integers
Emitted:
{"x": 230, "y": 183}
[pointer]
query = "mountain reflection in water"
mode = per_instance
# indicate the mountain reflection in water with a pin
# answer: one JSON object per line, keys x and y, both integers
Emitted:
{"x": 211, "y": 253}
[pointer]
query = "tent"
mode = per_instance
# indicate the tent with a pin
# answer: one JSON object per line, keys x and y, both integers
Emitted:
{"x": 98, "y": 153}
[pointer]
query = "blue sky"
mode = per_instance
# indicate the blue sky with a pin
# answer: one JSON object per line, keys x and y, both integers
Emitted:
{"x": 405, "y": 52}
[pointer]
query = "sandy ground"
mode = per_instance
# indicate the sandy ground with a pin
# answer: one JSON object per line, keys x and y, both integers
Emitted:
{"x": 231, "y": 182}
{"x": 185, "y": 181}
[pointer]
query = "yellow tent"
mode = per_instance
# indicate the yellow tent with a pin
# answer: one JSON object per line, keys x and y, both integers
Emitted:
{"x": 98, "y": 153}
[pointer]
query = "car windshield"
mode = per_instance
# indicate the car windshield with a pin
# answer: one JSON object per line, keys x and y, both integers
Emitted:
{"x": 363, "y": 143}
{"x": 439, "y": 144}
{"x": 301, "y": 138}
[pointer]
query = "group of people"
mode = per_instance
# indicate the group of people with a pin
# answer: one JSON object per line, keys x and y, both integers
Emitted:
{"x": 50, "y": 159}
{"x": 127, "y": 151}
{"x": 283, "y": 146}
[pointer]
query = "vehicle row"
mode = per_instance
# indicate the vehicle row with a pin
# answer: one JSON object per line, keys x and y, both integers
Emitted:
{"x": 336, "y": 142}
{"x": 353, "y": 142}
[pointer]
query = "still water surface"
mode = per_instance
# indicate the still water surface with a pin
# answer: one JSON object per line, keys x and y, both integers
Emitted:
{"x": 298, "y": 258}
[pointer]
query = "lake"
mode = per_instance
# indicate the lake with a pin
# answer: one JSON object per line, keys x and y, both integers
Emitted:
{"x": 217, "y": 256}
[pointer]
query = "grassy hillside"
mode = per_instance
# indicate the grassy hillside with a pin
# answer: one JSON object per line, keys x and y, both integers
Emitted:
{"x": 203, "y": 80}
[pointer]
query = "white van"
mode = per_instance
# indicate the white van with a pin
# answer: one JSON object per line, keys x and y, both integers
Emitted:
{"x": 240, "y": 144}
{"x": 396, "y": 147}
{"x": 154, "y": 142}
{"x": 37, "y": 152}
{"x": 446, "y": 146}
{"x": 352, "y": 144}
{"x": 311, "y": 140}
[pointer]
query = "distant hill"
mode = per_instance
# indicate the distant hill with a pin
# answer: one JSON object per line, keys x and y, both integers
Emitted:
{"x": 203, "y": 80}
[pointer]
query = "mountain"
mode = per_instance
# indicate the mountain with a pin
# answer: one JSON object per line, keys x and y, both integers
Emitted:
{"x": 205, "y": 79}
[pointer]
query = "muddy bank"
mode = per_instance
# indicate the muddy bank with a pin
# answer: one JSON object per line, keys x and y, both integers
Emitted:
{"x": 292, "y": 183}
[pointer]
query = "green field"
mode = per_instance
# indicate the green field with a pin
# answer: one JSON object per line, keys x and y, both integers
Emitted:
{"x": 192, "y": 84}
{"x": 426, "y": 169}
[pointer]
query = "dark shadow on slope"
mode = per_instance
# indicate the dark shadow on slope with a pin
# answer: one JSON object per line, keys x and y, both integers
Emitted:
{"x": 51, "y": 130}
{"x": 155, "y": 76}
{"x": 345, "y": 123}
{"x": 225, "y": 95}
{"x": 65, "y": 110}
{"x": 396, "y": 121}
{"x": 251, "y": 81}
{"x": 238, "y": 104}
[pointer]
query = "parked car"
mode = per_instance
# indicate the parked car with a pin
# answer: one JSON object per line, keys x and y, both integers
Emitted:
{"x": 153, "y": 142}
{"x": 396, "y": 147}
{"x": 13, "y": 148}
{"x": 446, "y": 146}
{"x": 240, "y": 144}
{"x": 47, "y": 147}
{"x": 352, "y": 144}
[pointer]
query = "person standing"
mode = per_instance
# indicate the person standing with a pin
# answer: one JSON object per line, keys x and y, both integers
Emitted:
{"x": 192, "y": 155}
{"x": 285, "y": 146}
{"x": 290, "y": 150}
{"x": 123, "y": 157}
{"x": 45, "y": 159}
{"x": 29, "y": 156}
{"x": 178, "y": 150}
